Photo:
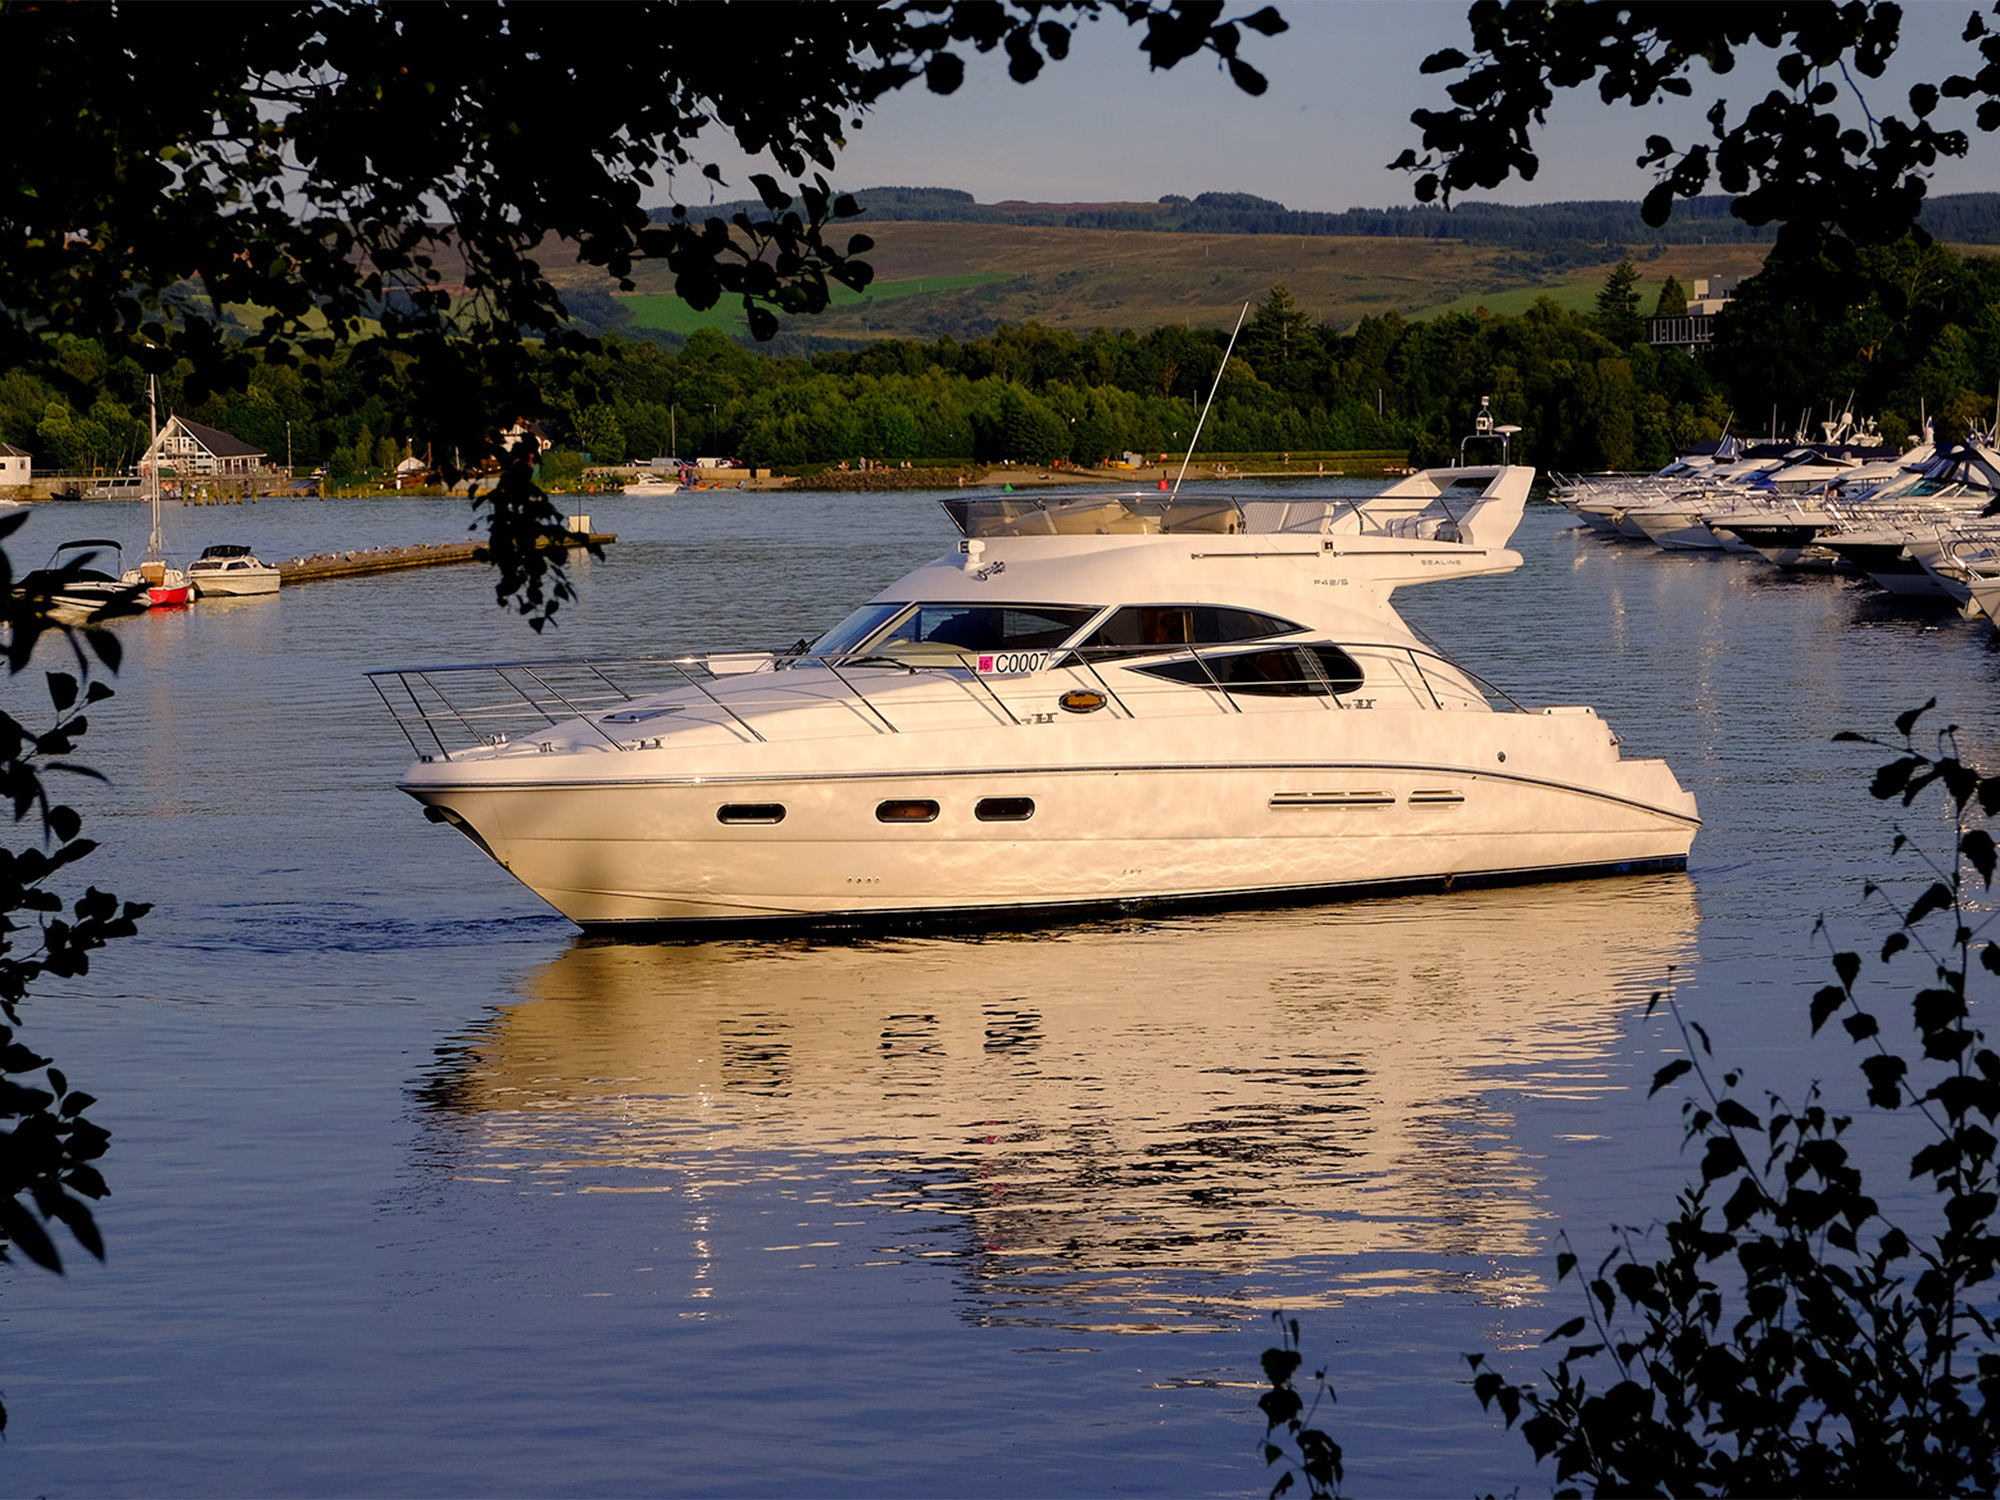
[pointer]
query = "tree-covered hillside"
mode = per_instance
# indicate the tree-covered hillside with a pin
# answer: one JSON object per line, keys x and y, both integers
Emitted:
{"x": 1963, "y": 218}
{"x": 1907, "y": 332}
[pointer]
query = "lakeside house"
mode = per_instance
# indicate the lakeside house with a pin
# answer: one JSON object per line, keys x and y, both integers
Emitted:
{"x": 188, "y": 449}
{"x": 1695, "y": 328}
{"x": 16, "y": 467}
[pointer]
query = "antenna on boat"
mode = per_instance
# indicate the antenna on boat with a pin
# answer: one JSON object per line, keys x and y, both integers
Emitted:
{"x": 1213, "y": 388}
{"x": 1483, "y": 427}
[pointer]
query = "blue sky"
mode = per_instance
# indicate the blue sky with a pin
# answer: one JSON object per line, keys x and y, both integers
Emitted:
{"x": 1100, "y": 126}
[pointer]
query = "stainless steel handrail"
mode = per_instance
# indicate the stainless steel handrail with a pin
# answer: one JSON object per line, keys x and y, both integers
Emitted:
{"x": 428, "y": 703}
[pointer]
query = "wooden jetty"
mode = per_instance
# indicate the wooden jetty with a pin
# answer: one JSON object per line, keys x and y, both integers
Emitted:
{"x": 395, "y": 559}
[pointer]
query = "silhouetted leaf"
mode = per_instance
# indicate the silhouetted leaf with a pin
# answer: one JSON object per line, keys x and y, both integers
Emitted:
{"x": 1668, "y": 1074}
{"x": 1907, "y": 720}
{"x": 1938, "y": 897}
{"x": 1736, "y": 1116}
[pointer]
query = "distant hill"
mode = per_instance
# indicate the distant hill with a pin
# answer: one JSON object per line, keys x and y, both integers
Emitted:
{"x": 963, "y": 280}
{"x": 947, "y": 265}
{"x": 1959, "y": 218}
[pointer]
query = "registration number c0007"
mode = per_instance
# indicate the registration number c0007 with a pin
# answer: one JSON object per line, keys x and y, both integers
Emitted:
{"x": 1012, "y": 662}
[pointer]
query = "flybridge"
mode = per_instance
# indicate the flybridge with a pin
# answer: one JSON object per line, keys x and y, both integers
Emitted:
{"x": 1479, "y": 506}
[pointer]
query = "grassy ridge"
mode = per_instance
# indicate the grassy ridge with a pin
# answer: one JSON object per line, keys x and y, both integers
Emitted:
{"x": 666, "y": 312}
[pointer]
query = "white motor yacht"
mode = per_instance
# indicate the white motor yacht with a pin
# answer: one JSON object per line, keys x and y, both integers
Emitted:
{"x": 652, "y": 486}
{"x": 1093, "y": 702}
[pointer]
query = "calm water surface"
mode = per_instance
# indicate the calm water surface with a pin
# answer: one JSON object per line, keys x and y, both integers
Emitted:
{"x": 417, "y": 1191}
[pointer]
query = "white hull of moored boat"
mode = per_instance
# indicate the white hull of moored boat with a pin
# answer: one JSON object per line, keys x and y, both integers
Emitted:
{"x": 244, "y": 583}
{"x": 632, "y": 852}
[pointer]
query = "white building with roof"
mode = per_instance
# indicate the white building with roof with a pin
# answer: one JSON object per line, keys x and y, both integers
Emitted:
{"x": 16, "y": 467}
{"x": 189, "y": 450}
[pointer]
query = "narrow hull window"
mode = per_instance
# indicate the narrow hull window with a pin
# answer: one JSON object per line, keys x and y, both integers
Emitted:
{"x": 750, "y": 812}
{"x": 1004, "y": 809}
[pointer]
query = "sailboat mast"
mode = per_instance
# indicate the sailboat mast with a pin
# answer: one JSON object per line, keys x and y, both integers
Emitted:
{"x": 156, "y": 546}
{"x": 1213, "y": 388}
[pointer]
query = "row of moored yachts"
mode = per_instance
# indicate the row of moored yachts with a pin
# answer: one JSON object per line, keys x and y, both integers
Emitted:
{"x": 1916, "y": 522}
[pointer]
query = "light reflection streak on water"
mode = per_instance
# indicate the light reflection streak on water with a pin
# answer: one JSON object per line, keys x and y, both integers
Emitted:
{"x": 1125, "y": 1126}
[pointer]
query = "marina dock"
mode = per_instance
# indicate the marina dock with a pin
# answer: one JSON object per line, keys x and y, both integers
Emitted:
{"x": 395, "y": 559}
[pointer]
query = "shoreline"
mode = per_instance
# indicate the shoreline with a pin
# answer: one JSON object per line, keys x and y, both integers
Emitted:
{"x": 1019, "y": 477}
{"x": 861, "y": 481}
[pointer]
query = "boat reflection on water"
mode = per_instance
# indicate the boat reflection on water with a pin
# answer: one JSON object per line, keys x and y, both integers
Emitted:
{"x": 1119, "y": 1126}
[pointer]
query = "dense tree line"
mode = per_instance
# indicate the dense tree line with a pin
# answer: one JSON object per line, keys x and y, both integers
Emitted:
{"x": 1959, "y": 218}
{"x": 1917, "y": 336}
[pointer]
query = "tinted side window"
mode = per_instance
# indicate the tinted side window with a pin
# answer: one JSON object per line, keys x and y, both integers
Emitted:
{"x": 1141, "y": 627}
{"x": 1280, "y": 671}
{"x": 991, "y": 627}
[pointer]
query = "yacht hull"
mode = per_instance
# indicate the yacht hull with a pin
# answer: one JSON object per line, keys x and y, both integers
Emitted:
{"x": 1519, "y": 797}
{"x": 237, "y": 585}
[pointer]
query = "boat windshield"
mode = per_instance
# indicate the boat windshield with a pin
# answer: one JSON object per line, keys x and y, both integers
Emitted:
{"x": 888, "y": 628}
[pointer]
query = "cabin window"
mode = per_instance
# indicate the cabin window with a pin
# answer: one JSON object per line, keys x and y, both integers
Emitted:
{"x": 989, "y": 627}
{"x": 885, "y": 628}
{"x": 1139, "y": 628}
{"x": 750, "y": 812}
{"x": 907, "y": 810}
{"x": 1279, "y": 672}
{"x": 855, "y": 629}
{"x": 1004, "y": 809}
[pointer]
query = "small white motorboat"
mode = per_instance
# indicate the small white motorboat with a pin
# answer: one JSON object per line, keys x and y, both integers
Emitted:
{"x": 229, "y": 570}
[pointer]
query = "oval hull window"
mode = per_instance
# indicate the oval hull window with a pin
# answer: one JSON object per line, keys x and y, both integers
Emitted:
{"x": 750, "y": 812}
{"x": 906, "y": 810}
{"x": 1004, "y": 809}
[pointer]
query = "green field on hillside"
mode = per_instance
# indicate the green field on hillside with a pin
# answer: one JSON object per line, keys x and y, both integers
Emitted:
{"x": 667, "y": 313}
{"x": 967, "y": 279}
{"x": 1572, "y": 296}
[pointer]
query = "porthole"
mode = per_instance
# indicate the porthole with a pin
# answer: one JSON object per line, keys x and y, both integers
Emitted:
{"x": 1004, "y": 809}
{"x": 906, "y": 810}
{"x": 750, "y": 812}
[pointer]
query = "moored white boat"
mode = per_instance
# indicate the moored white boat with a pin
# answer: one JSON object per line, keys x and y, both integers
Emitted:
{"x": 1101, "y": 701}
{"x": 76, "y": 588}
{"x": 230, "y": 570}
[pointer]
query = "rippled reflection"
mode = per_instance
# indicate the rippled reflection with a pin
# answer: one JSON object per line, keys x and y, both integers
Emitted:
{"x": 1117, "y": 1126}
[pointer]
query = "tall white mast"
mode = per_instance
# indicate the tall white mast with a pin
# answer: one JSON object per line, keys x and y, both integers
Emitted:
{"x": 1213, "y": 388}
{"x": 156, "y": 546}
